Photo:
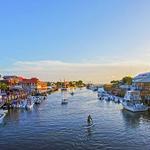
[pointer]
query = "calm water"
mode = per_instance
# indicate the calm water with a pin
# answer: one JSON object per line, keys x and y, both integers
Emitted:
{"x": 56, "y": 127}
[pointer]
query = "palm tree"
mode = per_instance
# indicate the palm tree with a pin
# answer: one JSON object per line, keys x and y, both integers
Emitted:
{"x": 3, "y": 86}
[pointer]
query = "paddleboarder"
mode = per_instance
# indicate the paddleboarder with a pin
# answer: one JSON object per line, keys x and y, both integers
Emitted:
{"x": 89, "y": 120}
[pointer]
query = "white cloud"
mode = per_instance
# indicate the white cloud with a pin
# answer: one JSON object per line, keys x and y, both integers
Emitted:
{"x": 98, "y": 72}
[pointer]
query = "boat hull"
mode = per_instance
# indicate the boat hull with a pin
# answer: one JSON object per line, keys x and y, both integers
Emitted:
{"x": 64, "y": 101}
{"x": 135, "y": 109}
{"x": 29, "y": 106}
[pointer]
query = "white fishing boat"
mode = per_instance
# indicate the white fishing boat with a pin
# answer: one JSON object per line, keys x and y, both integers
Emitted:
{"x": 132, "y": 102}
{"x": 101, "y": 93}
{"x": 30, "y": 104}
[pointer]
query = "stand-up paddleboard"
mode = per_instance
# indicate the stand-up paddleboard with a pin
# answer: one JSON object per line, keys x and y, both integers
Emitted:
{"x": 89, "y": 126}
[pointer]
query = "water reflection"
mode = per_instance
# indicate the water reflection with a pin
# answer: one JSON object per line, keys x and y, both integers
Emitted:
{"x": 134, "y": 119}
{"x": 13, "y": 115}
{"x": 53, "y": 126}
{"x": 89, "y": 132}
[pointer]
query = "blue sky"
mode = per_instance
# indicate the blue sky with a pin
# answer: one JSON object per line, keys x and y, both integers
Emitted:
{"x": 75, "y": 32}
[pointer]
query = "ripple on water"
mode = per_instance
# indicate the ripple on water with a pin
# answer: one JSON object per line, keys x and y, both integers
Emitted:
{"x": 53, "y": 126}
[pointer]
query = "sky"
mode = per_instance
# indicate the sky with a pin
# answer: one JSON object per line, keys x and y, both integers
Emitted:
{"x": 92, "y": 40}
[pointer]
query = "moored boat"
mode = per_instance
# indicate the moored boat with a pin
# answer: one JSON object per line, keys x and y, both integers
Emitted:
{"x": 23, "y": 104}
{"x": 132, "y": 102}
{"x": 64, "y": 101}
{"x": 30, "y": 104}
{"x": 37, "y": 100}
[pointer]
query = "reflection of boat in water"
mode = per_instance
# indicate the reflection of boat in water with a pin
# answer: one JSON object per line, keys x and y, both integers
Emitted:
{"x": 132, "y": 102}
{"x": 64, "y": 97}
{"x": 134, "y": 119}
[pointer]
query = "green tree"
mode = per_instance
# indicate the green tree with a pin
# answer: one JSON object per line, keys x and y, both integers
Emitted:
{"x": 115, "y": 83}
{"x": 59, "y": 84}
{"x": 3, "y": 86}
{"x": 127, "y": 80}
{"x": 79, "y": 83}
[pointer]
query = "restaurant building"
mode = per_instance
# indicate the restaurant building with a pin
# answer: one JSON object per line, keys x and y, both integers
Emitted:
{"x": 34, "y": 85}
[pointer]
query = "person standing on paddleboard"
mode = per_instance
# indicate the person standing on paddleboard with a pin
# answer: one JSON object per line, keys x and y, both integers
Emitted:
{"x": 89, "y": 120}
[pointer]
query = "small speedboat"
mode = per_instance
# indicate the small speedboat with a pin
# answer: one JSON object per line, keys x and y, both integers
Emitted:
{"x": 64, "y": 101}
{"x": 72, "y": 93}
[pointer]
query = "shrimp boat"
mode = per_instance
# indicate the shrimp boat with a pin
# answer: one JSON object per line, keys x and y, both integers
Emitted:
{"x": 132, "y": 102}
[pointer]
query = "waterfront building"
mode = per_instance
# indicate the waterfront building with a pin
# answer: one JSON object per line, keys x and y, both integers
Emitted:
{"x": 34, "y": 85}
{"x": 12, "y": 80}
{"x": 19, "y": 88}
{"x": 142, "y": 82}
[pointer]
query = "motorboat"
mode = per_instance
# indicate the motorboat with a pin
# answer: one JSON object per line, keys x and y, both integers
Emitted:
{"x": 30, "y": 104}
{"x": 64, "y": 101}
{"x": 132, "y": 102}
{"x": 72, "y": 93}
{"x": 23, "y": 104}
{"x": 63, "y": 89}
{"x": 117, "y": 99}
{"x": 37, "y": 100}
{"x": 102, "y": 93}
